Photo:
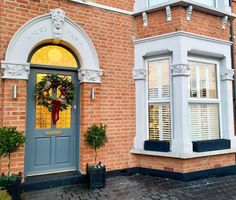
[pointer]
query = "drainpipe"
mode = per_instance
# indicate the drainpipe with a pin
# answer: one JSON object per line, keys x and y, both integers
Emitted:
{"x": 233, "y": 61}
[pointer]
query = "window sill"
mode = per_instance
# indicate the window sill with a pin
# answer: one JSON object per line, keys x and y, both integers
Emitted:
{"x": 186, "y": 3}
{"x": 182, "y": 156}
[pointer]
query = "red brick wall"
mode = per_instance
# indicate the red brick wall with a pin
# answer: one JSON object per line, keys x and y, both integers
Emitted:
{"x": 14, "y": 114}
{"x": 200, "y": 23}
{"x": 121, "y": 4}
{"x": 185, "y": 165}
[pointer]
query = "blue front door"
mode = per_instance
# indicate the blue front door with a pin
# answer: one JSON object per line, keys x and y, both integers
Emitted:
{"x": 50, "y": 147}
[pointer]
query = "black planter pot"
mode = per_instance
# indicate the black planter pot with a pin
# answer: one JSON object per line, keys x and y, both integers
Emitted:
{"x": 13, "y": 187}
{"x": 96, "y": 177}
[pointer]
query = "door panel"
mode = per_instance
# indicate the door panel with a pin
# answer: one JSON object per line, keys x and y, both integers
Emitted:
{"x": 50, "y": 148}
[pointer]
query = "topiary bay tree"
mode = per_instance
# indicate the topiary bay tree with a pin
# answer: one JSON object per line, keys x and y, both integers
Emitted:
{"x": 10, "y": 141}
{"x": 96, "y": 137}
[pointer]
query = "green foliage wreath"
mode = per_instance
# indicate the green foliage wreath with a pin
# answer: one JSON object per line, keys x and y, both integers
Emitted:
{"x": 56, "y": 83}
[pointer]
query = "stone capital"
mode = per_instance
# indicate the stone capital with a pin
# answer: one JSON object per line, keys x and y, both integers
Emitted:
{"x": 90, "y": 76}
{"x": 180, "y": 70}
{"x": 12, "y": 70}
{"x": 139, "y": 74}
{"x": 227, "y": 74}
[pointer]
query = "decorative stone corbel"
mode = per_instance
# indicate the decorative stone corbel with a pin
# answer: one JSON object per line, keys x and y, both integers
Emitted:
{"x": 168, "y": 13}
{"x": 189, "y": 12}
{"x": 58, "y": 21}
{"x": 90, "y": 76}
{"x": 15, "y": 70}
{"x": 139, "y": 74}
{"x": 145, "y": 19}
{"x": 227, "y": 74}
{"x": 224, "y": 21}
{"x": 180, "y": 70}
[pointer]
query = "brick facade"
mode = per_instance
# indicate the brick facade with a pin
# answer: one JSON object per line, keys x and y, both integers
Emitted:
{"x": 112, "y": 35}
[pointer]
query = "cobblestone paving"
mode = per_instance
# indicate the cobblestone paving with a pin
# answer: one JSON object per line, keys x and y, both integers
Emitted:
{"x": 138, "y": 187}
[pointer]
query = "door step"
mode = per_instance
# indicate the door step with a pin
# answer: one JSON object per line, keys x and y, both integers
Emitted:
{"x": 48, "y": 181}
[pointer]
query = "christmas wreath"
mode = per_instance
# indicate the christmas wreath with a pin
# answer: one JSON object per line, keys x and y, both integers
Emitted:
{"x": 46, "y": 94}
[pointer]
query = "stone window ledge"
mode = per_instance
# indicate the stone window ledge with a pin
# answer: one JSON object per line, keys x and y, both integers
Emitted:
{"x": 182, "y": 156}
{"x": 185, "y": 3}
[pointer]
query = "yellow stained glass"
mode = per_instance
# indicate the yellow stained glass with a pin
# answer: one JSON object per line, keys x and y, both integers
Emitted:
{"x": 54, "y": 55}
{"x": 44, "y": 117}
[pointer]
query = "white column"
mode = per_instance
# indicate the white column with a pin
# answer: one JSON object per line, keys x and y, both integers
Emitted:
{"x": 139, "y": 75}
{"x": 181, "y": 141}
{"x": 227, "y": 105}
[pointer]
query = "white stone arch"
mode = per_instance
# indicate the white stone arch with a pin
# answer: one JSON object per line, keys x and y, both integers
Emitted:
{"x": 43, "y": 29}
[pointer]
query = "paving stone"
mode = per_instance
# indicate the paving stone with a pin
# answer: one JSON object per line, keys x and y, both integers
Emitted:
{"x": 138, "y": 187}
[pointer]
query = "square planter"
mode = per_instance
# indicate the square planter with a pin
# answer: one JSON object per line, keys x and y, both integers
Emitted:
{"x": 13, "y": 187}
{"x": 96, "y": 177}
{"x": 155, "y": 145}
{"x": 211, "y": 145}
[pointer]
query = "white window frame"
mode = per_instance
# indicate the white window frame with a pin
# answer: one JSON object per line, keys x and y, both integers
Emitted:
{"x": 167, "y": 100}
{"x": 218, "y": 88}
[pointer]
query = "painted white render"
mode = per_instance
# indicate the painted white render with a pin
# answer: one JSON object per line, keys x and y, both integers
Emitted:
{"x": 180, "y": 46}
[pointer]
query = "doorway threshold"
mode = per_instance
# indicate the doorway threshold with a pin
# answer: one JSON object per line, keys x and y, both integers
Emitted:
{"x": 47, "y": 181}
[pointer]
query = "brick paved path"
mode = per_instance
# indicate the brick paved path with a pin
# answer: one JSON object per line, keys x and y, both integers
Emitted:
{"x": 138, "y": 187}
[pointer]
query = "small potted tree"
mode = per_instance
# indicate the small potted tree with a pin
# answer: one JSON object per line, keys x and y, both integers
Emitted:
{"x": 96, "y": 138}
{"x": 10, "y": 141}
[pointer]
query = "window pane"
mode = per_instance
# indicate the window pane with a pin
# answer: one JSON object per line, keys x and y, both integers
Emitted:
{"x": 204, "y": 119}
{"x": 154, "y": 2}
{"x": 159, "y": 122}
{"x": 158, "y": 79}
{"x": 203, "y": 83}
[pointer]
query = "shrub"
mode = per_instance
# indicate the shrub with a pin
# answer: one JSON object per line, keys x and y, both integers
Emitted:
{"x": 4, "y": 195}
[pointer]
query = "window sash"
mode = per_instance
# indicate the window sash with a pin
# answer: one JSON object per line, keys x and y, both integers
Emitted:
{"x": 204, "y": 121}
{"x": 159, "y": 117}
{"x": 205, "y": 109}
{"x": 203, "y": 80}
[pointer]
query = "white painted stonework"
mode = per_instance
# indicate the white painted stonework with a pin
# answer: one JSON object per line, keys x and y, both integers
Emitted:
{"x": 222, "y": 5}
{"x": 90, "y": 76}
{"x": 227, "y": 75}
{"x": 53, "y": 27}
{"x": 180, "y": 47}
{"x": 15, "y": 70}
{"x": 139, "y": 74}
{"x": 180, "y": 70}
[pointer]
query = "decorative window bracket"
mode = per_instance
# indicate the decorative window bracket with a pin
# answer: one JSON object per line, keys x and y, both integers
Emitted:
{"x": 145, "y": 19}
{"x": 224, "y": 21}
{"x": 189, "y": 11}
{"x": 168, "y": 13}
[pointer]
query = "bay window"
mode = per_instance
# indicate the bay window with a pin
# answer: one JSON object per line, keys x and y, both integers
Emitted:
{"x": 204, "y": 101}
{"x": 159, "y": 116}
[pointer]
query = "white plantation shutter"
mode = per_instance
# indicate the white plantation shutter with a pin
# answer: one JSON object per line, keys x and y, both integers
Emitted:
{"x": 204, "y": 116}
{"x": 159, "y": 97}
